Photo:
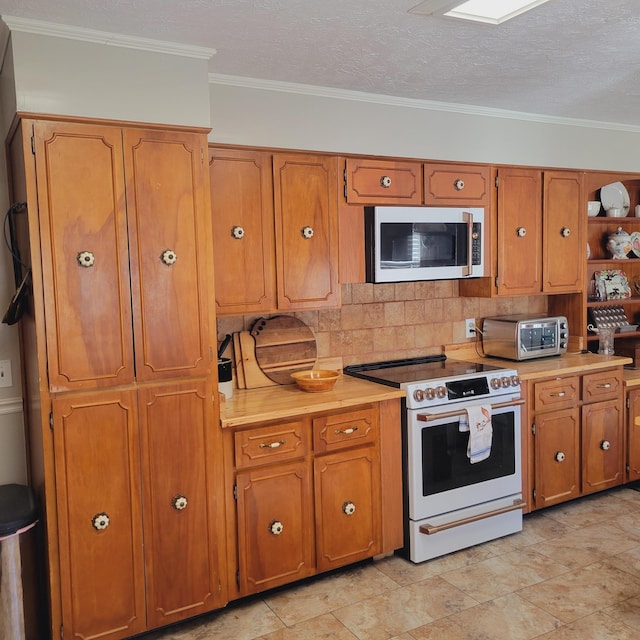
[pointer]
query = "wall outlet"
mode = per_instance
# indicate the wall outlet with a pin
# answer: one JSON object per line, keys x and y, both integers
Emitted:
{"x": 470, "y": 328}
{"x": 5, "y": 373}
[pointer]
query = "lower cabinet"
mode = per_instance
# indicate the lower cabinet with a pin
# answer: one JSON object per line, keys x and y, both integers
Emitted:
{"x": 307, "y": 496}
{"x": 577, "y": 433}
{"x": 136, "y": 509}
{"x": 633, "y": 434}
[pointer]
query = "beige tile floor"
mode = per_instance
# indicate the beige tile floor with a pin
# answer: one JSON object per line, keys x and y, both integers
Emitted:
{"x": 572, "y": 573}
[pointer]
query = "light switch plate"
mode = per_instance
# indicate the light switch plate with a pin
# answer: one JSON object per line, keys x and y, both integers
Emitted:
{"x": 6, "y": 379}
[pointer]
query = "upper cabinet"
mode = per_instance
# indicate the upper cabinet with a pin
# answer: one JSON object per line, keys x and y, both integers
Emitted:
{"x": 539, "y": 238}
{"x": 122, "y": 221}
{"x": 389, "y": 182}
{"x": 275, "y": 226}
{"x": 451, "y": 185}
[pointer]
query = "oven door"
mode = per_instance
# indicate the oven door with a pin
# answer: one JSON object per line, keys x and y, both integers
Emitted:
{"x": 440, "y": 477}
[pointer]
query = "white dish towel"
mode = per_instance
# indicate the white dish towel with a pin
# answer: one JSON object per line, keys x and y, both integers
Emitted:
{"x": 480, "y": 432}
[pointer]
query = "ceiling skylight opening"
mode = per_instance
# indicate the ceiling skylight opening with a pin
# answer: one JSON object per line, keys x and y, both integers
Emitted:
{"x": 488, "y": 11}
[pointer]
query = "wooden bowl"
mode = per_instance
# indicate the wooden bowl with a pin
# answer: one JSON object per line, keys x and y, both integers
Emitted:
{"x": 315, "y": 380}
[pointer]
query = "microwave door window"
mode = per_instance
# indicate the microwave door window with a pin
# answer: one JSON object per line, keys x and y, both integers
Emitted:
{"x": 399, "y": 246}
{"x": 442, "y": 244}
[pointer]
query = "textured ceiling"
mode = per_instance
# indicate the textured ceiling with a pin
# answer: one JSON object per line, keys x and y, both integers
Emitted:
{"x": 565, "y": 58}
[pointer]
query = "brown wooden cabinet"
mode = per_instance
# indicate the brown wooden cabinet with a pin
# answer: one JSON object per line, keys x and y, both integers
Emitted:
{"x": 633, "y": 434}
{"x": 457, "y": 185}
{"x": 577, "y": 435}
{"x": 308, "y": 496}
{"x": 275, "y": 230}
{"x": 122, "y": 327}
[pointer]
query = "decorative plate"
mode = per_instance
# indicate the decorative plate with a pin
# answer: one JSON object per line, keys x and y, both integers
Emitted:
{"x": 635, "y": 243}
{"x": 614, "y": 283}
{"x": 615, "y": 195}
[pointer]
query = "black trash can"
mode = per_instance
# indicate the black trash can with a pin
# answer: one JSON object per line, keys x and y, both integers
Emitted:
{"x": 18, "y": 580}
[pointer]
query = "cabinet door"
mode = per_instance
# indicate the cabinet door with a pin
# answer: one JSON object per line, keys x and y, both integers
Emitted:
{"x": 83, "y": 226}
{"x": 99, "y": 515}
{"x": 633, "y": 439}
{"x": 602, "y": 446}
{"x": 563, "y": 248}
{"x": 170, "y": 239}
{"x": 557, "y": 457}
{"x": 348, "y": 519}
{"x": 457, "y": 185}
{"x": 519, "y": 231}
{"x": 179, "y": 498}
{"x": 275, "y": 526}
{"x": 384, "y": 182}
{"x": 306, "y": 217}
{"x": 243, "y": 235}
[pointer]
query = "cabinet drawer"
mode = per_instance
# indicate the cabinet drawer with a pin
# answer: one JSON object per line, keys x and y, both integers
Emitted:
{"x": 345, "y": 430}
{"x": 383, "y": 182}
{"x": 275, "y": 443}
{"x": 604, "y": 385}
{"x": 556, "y": 394}
{"x": 448, "y": 184}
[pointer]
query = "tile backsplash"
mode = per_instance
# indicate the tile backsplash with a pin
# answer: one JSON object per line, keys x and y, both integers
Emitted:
{"x": 389, "y": 321}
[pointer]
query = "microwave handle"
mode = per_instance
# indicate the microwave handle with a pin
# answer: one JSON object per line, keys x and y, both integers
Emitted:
{"x": 468, "y": 218}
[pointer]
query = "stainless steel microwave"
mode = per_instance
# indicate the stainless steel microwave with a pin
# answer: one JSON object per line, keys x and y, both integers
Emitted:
{"x": 424, "y": 243}
{"x": 524, "y": 337}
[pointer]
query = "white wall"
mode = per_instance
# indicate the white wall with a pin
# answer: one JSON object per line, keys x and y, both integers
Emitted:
{"x": 268, "y": 114}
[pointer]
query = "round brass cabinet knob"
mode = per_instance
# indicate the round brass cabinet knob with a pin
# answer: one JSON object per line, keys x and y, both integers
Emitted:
{"x": 86, "y": 259}
{"x": 276, "y": 527}
{"x": 348, "y": 508}
{"x": 100, "y": 521}
{"x": 179, "y": 502}
{"x": 168, "y": 257}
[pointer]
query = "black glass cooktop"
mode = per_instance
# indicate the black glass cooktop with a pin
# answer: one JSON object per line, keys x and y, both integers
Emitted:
{"x": 394, "y": 373}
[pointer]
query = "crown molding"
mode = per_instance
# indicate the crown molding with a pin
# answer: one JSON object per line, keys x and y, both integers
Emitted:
{"x": 103, "y": 37}
{"x": 428, "y": 105}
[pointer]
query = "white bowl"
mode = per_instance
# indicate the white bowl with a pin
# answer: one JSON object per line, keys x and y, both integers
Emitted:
{"x": 616, "y": 213}
{"x": 593, "y": 208}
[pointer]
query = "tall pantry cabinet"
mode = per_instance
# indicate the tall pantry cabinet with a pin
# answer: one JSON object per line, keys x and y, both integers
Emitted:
{"x": 119, "y": 353}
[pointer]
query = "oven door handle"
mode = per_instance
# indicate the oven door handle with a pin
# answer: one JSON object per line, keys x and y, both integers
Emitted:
{"x": 428, "y": 417}
{"x": 430, "y": 529}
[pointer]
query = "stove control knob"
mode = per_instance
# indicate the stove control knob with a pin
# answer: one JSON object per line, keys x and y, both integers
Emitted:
{"x": 515, "y": 380}
{"x": 418, "y": 395}
{"x": 441, "y": 391}
{"x": 505, "y": 381}
{"x": 429, "y": 393}
{"x": 495, "y": 383}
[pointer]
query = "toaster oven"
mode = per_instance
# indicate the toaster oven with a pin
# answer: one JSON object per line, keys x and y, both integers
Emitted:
{"x": 522, "y": 337}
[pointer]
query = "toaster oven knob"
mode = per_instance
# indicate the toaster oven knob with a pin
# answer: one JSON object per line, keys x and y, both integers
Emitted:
{"x": 429, "y": 393}
{"x": 441, "y": 392}
{"x": 563, "y": 345}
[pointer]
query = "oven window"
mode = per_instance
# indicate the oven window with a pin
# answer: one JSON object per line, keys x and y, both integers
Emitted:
{"x": 445, "y": 464}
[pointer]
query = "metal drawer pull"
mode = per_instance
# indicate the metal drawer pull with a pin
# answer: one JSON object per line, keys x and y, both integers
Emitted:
{"x": 385, "y": 182}
{"x": 430, "y": 529}
{"x": 272, "y": 445}
{"x": 276, "y": 528}
{"x": 607, "y": 385}
{"x": 560, "y": 394}
{"x": 348, "y": 508}
{"x": 179, "y": 502}
{"x": 100, "y": 521}
{"x": 346, "y": 432}
{"x": 559, "y": 457}
{"x": 605, "y": 445}
{"x": 429, "y": 417}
